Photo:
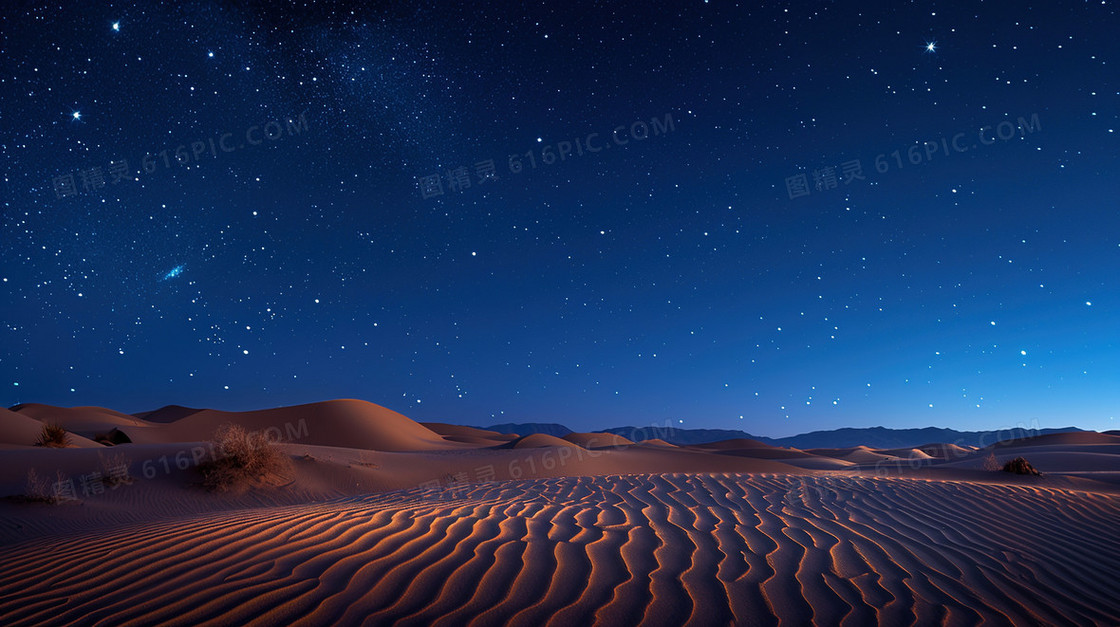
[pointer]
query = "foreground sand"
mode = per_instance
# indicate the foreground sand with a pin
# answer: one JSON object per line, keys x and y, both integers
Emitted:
{"x": 655, "y": 549}
{"x": 381, "y": 519}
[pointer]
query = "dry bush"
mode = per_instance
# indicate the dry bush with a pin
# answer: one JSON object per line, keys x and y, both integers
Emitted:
{"x": 242, "y": 457}
{"x": 1020, "y": 466}
{"x": 991, "y": 463}
{"x": 39, "y": 489}
{"x": 53, "y": 436}
{"x": 114, "y": 469}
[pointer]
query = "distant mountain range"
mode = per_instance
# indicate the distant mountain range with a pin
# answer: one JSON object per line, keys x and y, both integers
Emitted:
{"x": 874, "y": 437}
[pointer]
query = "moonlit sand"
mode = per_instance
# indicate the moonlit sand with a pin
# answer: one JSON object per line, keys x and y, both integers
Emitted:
{"x": 381, "y": 518}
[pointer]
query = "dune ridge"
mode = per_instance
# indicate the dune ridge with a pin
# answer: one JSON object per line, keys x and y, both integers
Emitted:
{"x": 669, "y": 548}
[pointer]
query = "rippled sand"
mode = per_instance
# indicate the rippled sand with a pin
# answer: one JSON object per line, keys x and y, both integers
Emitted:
{"x": 651, "y": 549}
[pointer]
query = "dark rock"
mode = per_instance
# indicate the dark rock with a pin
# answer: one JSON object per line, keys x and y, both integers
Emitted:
{"x": 1021, "y": 466}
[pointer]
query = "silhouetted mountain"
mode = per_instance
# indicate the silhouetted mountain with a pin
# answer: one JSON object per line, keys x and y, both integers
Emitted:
{"x": 874, "y": 437}
{"x": 881, "y": 437}
{"x": 677, "y": 436}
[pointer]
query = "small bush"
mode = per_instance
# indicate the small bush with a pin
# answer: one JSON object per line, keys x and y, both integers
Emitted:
{"x": 990, "y": 462}
{"x": 39, "y": 489}
{"x": 53, "y": 436}
{"x": 1021, "y": 466}
{"x": 114, "y": 469}
{"x": 241, "y": 457}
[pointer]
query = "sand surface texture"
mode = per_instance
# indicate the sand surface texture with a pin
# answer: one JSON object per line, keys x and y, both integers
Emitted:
{"x": 660, "y": 549}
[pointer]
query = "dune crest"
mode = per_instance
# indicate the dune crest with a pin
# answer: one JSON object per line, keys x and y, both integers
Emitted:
{"x": 597, "y": 440}
{"x": 345, "y": 423}
{"x": 19, "y": 429}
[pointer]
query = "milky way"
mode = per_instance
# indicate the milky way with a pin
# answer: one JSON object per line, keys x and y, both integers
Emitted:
{"x": 775, "y": 219}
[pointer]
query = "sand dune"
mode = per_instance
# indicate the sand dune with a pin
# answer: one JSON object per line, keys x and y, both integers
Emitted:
{"x": 855, "y": 454}
{"x": 538, "y": 440}
{"x": 1062, "y": 439}
{"x": 169, "y": 413}
{"x": 19, "y": 429}
{"x": 905, "y": 453}
{"x": 946, "y": 451}
{"x": 469, "y": 435}
{"x": 78, "y": 419}
{"x": 657, "y": 442}
{"x": 596, "y": 440}
{"x": 735, "y": 443}
{"x": 344, "y": 423}
{"x": 381, "y": 518}
{"x": 814, "y": 462}
{"x": 664, "y": 549}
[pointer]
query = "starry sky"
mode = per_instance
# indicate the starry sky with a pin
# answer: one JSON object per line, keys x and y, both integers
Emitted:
{"x": 779, "y": 218}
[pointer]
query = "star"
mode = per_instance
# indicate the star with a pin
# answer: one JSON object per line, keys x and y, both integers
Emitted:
{"x": 117, "y": 26}
{"x": 931, "y": 46}
{"x": 76, "y": 115}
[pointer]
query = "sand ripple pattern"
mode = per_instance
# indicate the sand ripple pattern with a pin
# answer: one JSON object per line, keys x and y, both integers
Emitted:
{"x": 617, "y": 550}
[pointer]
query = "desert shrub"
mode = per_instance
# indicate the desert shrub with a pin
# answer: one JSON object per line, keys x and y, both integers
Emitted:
{"x": 114, "y": 469}
{"x": 990, "y": 462}
{"x": 53, "y": 436}
{"x": 40, "y": 489}
{"x": 1020, "y": 466}
{"x": 240, "y": 457}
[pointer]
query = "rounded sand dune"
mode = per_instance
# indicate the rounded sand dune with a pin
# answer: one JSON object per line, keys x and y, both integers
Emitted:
{"x": 946, "y": 451}
{"x": 906, "y": 453}
{"x": 854, "y": 454}
{"x": 657, "y": 443}
{"x": 77, "y": 418}
{"x": 345, "y": 423}
{"x": 468, "y": 435}
{"x": 597, "y": 440}
{"x": 18, "y": 429}
{"x": 540, "y": 440}
{"x": 733, "y": 444}
{"x": 657, "y": 549}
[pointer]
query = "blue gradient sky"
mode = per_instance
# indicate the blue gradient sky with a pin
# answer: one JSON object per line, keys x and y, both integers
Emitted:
{"x": 670, "y": 278}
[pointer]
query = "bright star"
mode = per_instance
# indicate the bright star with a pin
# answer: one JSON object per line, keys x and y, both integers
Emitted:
{"x": 931, "y": 46}
{"x": 116, "y": 26}
{"x": 77, "y": 115}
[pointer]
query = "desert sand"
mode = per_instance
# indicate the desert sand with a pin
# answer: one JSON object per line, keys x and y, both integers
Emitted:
{"x": 379, "y": 518}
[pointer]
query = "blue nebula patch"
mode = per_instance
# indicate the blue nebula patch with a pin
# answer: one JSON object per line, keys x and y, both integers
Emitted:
{"x": 174, "y": 272}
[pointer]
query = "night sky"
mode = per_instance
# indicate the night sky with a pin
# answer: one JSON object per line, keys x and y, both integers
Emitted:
{"x": 239, "y": 205}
